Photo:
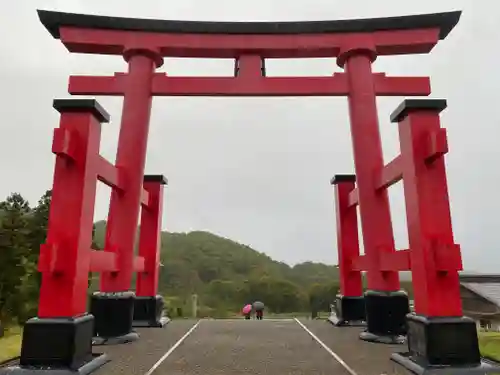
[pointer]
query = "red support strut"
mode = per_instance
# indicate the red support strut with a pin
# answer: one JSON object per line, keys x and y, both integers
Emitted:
{"x": 148, "y": 306}
{"x": 65, "y": 257}
{"x": 347, "y": 236}
{"x": 349, "y": 304}
{"x": 437, "y": 332}
{"x": 430, "y": 235}
{"x": 150, "y": 236}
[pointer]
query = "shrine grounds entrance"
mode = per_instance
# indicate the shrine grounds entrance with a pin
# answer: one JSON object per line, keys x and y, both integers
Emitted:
{"x": 437, "y": 332}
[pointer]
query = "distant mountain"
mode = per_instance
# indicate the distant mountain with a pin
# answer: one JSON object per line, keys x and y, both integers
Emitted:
{"x": 191, "y": 260}
{"x": 226, "y": 274}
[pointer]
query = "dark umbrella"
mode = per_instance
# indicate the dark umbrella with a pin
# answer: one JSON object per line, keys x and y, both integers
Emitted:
{"x": 258, "y": 306}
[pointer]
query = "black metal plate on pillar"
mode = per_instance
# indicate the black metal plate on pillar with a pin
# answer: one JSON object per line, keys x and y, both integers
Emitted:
{"x": 113, "y": 314}
{"x": 57, "y": 346}
{"x": 442, "y": 344}
{"x": 348, "y": 311}
{"x": 148, "y": 312}
{"x": 386, "y": 316}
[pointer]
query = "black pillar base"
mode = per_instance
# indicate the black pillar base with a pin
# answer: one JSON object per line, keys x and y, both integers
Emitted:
{"x": 349, "y": 311}
{"x": 448, "y": 344}
{"x": 386, "y": 316}
{"x": 113, "y": 314}
{"x": 57, "y": 346}
{"x": 148, "y": 312}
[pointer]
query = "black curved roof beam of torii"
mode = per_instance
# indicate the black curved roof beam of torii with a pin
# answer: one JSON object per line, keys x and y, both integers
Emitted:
{"x": 109, "y": 35}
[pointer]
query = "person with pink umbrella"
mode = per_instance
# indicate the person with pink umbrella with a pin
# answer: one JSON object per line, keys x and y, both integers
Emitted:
{"x": 247, "y": 311}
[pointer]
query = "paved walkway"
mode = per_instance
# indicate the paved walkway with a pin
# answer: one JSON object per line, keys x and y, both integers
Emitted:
{"x": 233, "y": 347}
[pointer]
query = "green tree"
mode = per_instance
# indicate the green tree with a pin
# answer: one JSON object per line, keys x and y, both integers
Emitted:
{"x": 226, "y": 294}
{"x": 38, "y": 223}
{"x": 322, "y": 295}
{"x": 279, "y": 295}
{"x": 14, "y": 254}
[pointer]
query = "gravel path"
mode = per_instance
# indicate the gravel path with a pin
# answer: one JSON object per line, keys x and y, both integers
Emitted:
{"x": 234, "y": 347}
{"x": 254, "y": 347}
{"x": 363, "y": 357}
{"x": 136, "y": 358}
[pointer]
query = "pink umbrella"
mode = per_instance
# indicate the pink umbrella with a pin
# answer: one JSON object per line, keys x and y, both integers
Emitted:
{"x": 246, "y": 309}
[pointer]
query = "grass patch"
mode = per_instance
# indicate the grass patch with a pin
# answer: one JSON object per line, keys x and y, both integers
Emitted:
{"x": 10, "y": 344}
{"x": 489, "y": 345}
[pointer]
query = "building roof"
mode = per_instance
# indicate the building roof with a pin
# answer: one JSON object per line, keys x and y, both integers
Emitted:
{"x": 486, "y": 286}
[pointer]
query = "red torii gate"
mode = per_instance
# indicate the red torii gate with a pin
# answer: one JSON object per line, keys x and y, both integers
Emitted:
{"x": 438, "y": 334}
{"x": 143, "y": 44}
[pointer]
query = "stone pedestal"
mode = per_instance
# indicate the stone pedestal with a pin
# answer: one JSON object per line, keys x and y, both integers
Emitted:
{"x": 148, "y": 312}
{"x": 442, "y": 344}
{"x": 57, "y": 346}
{"x": 386, "y": 316}
{"x": 113, "y": 314}
{"x": 349, "y": 311}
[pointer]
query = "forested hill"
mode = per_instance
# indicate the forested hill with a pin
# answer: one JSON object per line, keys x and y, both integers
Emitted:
{"x": 197, "y": 258}
{"x": 224, "y": 272}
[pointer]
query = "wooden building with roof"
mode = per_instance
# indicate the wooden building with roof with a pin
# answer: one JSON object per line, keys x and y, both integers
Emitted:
{"x": 481, "y": 299}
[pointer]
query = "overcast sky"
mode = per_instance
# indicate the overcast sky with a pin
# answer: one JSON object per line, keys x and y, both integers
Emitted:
{"x": 257, "y": 170}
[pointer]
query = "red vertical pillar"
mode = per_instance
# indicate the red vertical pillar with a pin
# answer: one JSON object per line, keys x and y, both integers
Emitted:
{"x": 150, "y": 236}
{"x": 347, "y": 236}
{"x": 130, "y": 160}
{"x": 438, "y": 335}
{"x": 349, "y": 304}
{"x": 430, "y": 234}
{"x": 148, "y": 305}
{"x": 385, "y": 305}
{"x": 368, "y": 160}
{"x": 65, "y": 257}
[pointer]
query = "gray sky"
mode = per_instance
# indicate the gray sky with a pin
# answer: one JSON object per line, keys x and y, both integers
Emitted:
{"x": 257, "y": 170}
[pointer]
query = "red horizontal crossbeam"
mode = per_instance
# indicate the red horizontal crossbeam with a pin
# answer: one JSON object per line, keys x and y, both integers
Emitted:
{"x": 390, "y": 174}
{"x": 336, "y": 85}
{"x": 361, "y": 263}
{"x": 139, "y": 264}
{"x": 109, "y": 174}
{"x": 353, "y": 198}
{"x": 394, "y": 261}
{"x": 145, "y": 198}
{"x": 263, "y": 86}
{"x": 63, "y": 144}
{"x": 102, "y": 261}
{"x": 105, "y": 261}
{"x": 52, "y": 260}
{"x": 446, "y": 258}
{"x": 111, "y": 42}
{"x": 436, "y": 146}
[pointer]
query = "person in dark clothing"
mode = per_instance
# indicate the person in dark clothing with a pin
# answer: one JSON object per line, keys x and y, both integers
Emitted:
{"x": 259, "y": 314}
{"x": 258, "y": 307}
